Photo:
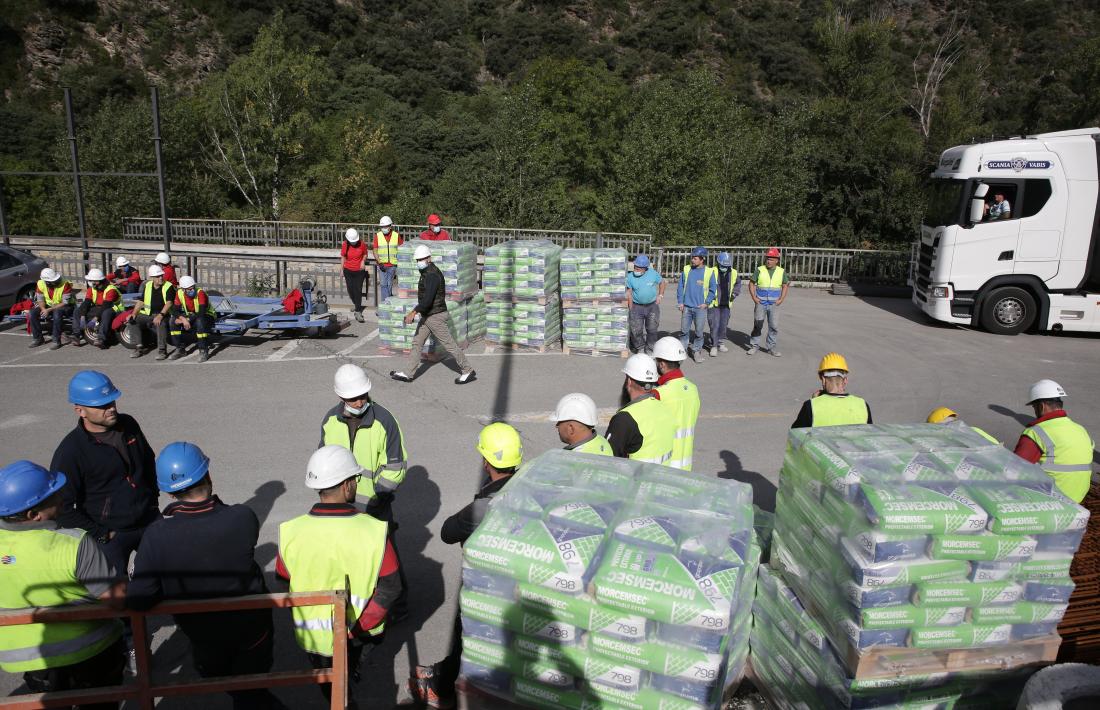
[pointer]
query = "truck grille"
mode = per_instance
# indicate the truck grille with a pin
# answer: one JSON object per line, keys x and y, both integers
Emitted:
{"x": 925, "y": 258}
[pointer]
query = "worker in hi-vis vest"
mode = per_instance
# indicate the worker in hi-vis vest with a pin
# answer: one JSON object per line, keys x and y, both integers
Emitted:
{"x": 832, "y": 405}
{"x": 1061, "y": 446}
{"x": 47, "y": 566}
{"x": 768, "y": 288}
{"x": 575, "y": 418}
{"x": 680, "y": 396}
{"x": 943, "y": 415}
{"x": 385, "y": 243}
{"x": 331, "y": 546}
{"x": 643, "y": 429}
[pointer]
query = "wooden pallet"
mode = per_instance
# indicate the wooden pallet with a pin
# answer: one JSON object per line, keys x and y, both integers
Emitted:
{"x": 552, "y": 347}
{"x": 577, "y": 302}
{"x": 595, "y": 352}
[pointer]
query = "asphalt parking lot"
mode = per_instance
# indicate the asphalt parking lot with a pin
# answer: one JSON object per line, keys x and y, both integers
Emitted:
{"x": 255, "y": 409}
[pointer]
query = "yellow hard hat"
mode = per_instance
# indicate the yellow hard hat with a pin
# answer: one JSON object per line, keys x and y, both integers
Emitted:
{"x": 500, "y": 445}
{"x": 940, "y": 415}
{"x": 833, "y": 361}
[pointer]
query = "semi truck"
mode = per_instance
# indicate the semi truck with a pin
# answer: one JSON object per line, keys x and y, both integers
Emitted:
{"x": 1010, "y": 240}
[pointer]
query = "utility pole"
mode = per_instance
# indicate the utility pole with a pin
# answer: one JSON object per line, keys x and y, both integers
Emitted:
{"x": 160, "y": 172}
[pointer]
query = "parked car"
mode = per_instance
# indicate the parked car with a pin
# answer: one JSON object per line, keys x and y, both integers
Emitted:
{"x": 19, "y": 272}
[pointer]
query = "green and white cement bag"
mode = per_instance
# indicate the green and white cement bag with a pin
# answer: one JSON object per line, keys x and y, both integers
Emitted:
{"x": 1023, "y": 510}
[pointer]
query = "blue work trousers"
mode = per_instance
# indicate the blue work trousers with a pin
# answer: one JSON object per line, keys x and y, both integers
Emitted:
{"x": 697, "y": 316}
{"x": 385, "y": 281}
{"x": 719, "y": 317}
{"x": 644, "y": 319}
{"x": 56, "y": 318}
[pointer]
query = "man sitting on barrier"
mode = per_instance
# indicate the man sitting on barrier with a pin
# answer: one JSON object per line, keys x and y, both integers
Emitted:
{"x": 54, "y": 301}
{"x": 151, "y": 312}
{"x": 191, "y": 309}
{"x": 103, "y": 301}
{"x": 126, "y": 277}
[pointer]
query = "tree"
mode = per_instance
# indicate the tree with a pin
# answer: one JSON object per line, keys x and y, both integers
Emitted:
{"x": 930, "y": 71}
{"x": 260, "y": 118}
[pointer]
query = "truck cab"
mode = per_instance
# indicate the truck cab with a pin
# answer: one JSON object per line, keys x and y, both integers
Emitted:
{"x": 1010, "y": 240}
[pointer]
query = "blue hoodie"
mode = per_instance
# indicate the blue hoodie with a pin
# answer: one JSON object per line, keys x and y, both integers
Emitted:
{"x": 690, "y": 293}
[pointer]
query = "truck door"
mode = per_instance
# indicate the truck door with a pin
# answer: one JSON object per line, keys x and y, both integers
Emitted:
{"x": 1042, "y": 222}
{"x": 988, "y": 248}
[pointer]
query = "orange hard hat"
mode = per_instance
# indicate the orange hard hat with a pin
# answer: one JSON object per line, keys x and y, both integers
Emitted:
{"x": 433, "y": 219}
{"x": 773, "y": 252}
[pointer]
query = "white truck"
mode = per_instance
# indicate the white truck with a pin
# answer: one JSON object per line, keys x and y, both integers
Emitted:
{"x": 1011, "y": 237}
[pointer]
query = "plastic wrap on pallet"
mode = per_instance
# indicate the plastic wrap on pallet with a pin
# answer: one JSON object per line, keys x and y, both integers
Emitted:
{"x": 593, "y": 274}
{"x": 394, "y": 333}
{"x": 909, "y": 537}
{"x": 596, "y": 326}
{"x": 602, "y": 582}
{"x": 522, "y": 269}
{"x": 523, "y": 322}
{"x": 457, "y": 261}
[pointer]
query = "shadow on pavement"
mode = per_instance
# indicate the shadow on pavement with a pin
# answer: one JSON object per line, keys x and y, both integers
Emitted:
{"x": 763, "y": 490}
{"x": 1021, "y": 418}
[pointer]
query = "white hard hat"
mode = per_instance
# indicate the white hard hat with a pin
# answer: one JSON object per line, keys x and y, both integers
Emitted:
{"x": 331, "y": 465}
{"x": 187, "y": 281}
{"x": 122, "y": 261}
{"x": 1045, "y": 389}
{"x": 421, "y": 252}
{"x": 352, "y": 235}
{"x": 641, "y": 367}
{"x": 162, "y": 258}
{"x": 385, "y": 221}
{"x": 154, "y": 270}
{"x": 669, "y": 348}
{"x": 351, "y": 381}
{"x": 49, "y": 275}
{"x": 576, "y": 406}
{"x": 94, "y": 275}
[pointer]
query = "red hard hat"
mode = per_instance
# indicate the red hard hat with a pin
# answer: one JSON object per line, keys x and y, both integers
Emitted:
{"x": 773, "y": 252}
{"x": 433, "y": 219}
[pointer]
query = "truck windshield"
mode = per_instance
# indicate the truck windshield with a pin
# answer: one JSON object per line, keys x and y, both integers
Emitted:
{"x": 944, "y": 198}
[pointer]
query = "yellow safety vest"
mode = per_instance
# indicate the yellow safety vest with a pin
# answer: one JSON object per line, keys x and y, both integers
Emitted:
{"x": 769, "y": 285}
{"x": 596, "y": 445}
{"x": 986, "y": 435}
{"x": 657, "y": 423}
{"x": 710, "y": 273}
{"x": 39, "y": 570}
{"x": 118, "y": 306}
{"x": 55, "y": 296}
{"x": 370, "y": 453}
{"x": 385, "y": 248}
{"x": 147, "y": 296}
{"x": 321, "y": 553}
{"x": 1067, "y": 454}
{"x": 207, "y": 309}
{"x": 831, "y": 410}
{"x": 718, "y": 288}
{"x": 681, "y": 397}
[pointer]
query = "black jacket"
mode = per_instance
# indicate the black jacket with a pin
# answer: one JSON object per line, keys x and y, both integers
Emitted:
{"x": 431, "y": 292}
{"x": 199, "y": 551}
{"x": 107, "y": 490}
{"x": 460, "y": 526}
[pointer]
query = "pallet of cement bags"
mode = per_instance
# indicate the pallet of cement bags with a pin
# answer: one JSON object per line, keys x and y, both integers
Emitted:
{"x": 602, "y": 582}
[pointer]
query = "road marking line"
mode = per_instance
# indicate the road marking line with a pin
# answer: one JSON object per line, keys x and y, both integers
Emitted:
{"x": 282, "y": 352}
{"x": 360, "y": 342}
{"x": 605, "y": 414}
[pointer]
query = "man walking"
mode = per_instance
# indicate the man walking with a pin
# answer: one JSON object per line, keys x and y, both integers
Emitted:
{"x": 696, "y": 289}
{"x": 680, "y": 397}
{"x": 202, "y": 549}
{"x": 111, "y": 470}
{"x": 575, "y": 419}
{"x": 386, "y": 241}
{"x": 431, "y": 308}
{"x": 1061, "y": 446}
{"x": 728, "y": 288}
{"x": 768, "y": 290}
{"x": 644, "y": 428}
{"x": 48, "y": 566}
{"x": 644, "y": 290}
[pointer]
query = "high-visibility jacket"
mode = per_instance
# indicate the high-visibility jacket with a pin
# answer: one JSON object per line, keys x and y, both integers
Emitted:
{"x": 321, "y": 553}
{"x": 596, "y": 445}
{"x": 710, "y": 273}
{"x": 986, "y": 435}
{"x": 681, "y": 397}
{"x": 371, "y": 447}
{"x": 718, "y": 289}
{"x": 38, "y": 569}
{"x": 56, "y": 296}
{"x": 657, "y": 425}
{"x": 1067, "y": 454}
{"x": 147, "y": 296}
{"x": 190, "y": 305}
{"x": 385, "y": 248}
{"x": 830, "y": 410}
{"x": 769, "y": 286}
{"x": 98, "y": 296}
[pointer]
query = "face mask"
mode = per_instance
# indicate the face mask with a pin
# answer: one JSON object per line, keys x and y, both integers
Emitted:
{"x": 639, "y": 274}
{"x": 191, "y": 292}
{"x": 386, "y": 230}
{"x": 724, "y": 269}
{"x": 355, "y": 411}
{"x": 435, "y": 228}
{"x": 421, "y": 265}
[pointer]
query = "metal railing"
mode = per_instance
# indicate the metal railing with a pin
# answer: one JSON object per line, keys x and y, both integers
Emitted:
{"x": 144, "y": 692}
{"x": 328, "y": 234}
{"x": 803, "y": 264}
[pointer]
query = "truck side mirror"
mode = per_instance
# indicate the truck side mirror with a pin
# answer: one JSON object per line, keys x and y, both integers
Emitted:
{"x": 977, "y": 210}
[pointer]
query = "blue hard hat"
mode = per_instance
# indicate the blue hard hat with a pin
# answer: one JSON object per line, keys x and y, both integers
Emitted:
{"x": 25, "y": 484}
{"x": 641, "y": 260}
{"x": 180, "y": 465}
{"x": 699, "y": 251}
{"x": 724, "y": 259}
{"x": 90, "y": 388}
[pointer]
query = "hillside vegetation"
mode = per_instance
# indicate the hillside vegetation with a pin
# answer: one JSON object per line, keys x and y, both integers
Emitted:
{"x": 723, "y": 121}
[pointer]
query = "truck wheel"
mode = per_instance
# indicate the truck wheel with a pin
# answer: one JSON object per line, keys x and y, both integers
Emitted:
{"x": 1008, "y": 311}
{"x": 123, "y": 335}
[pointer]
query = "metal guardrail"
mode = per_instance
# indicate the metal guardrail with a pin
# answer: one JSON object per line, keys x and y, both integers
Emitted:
{"x": 144, "y": 692}
{"x": 867, "y": 266}
{"x": 328, "y": 234}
